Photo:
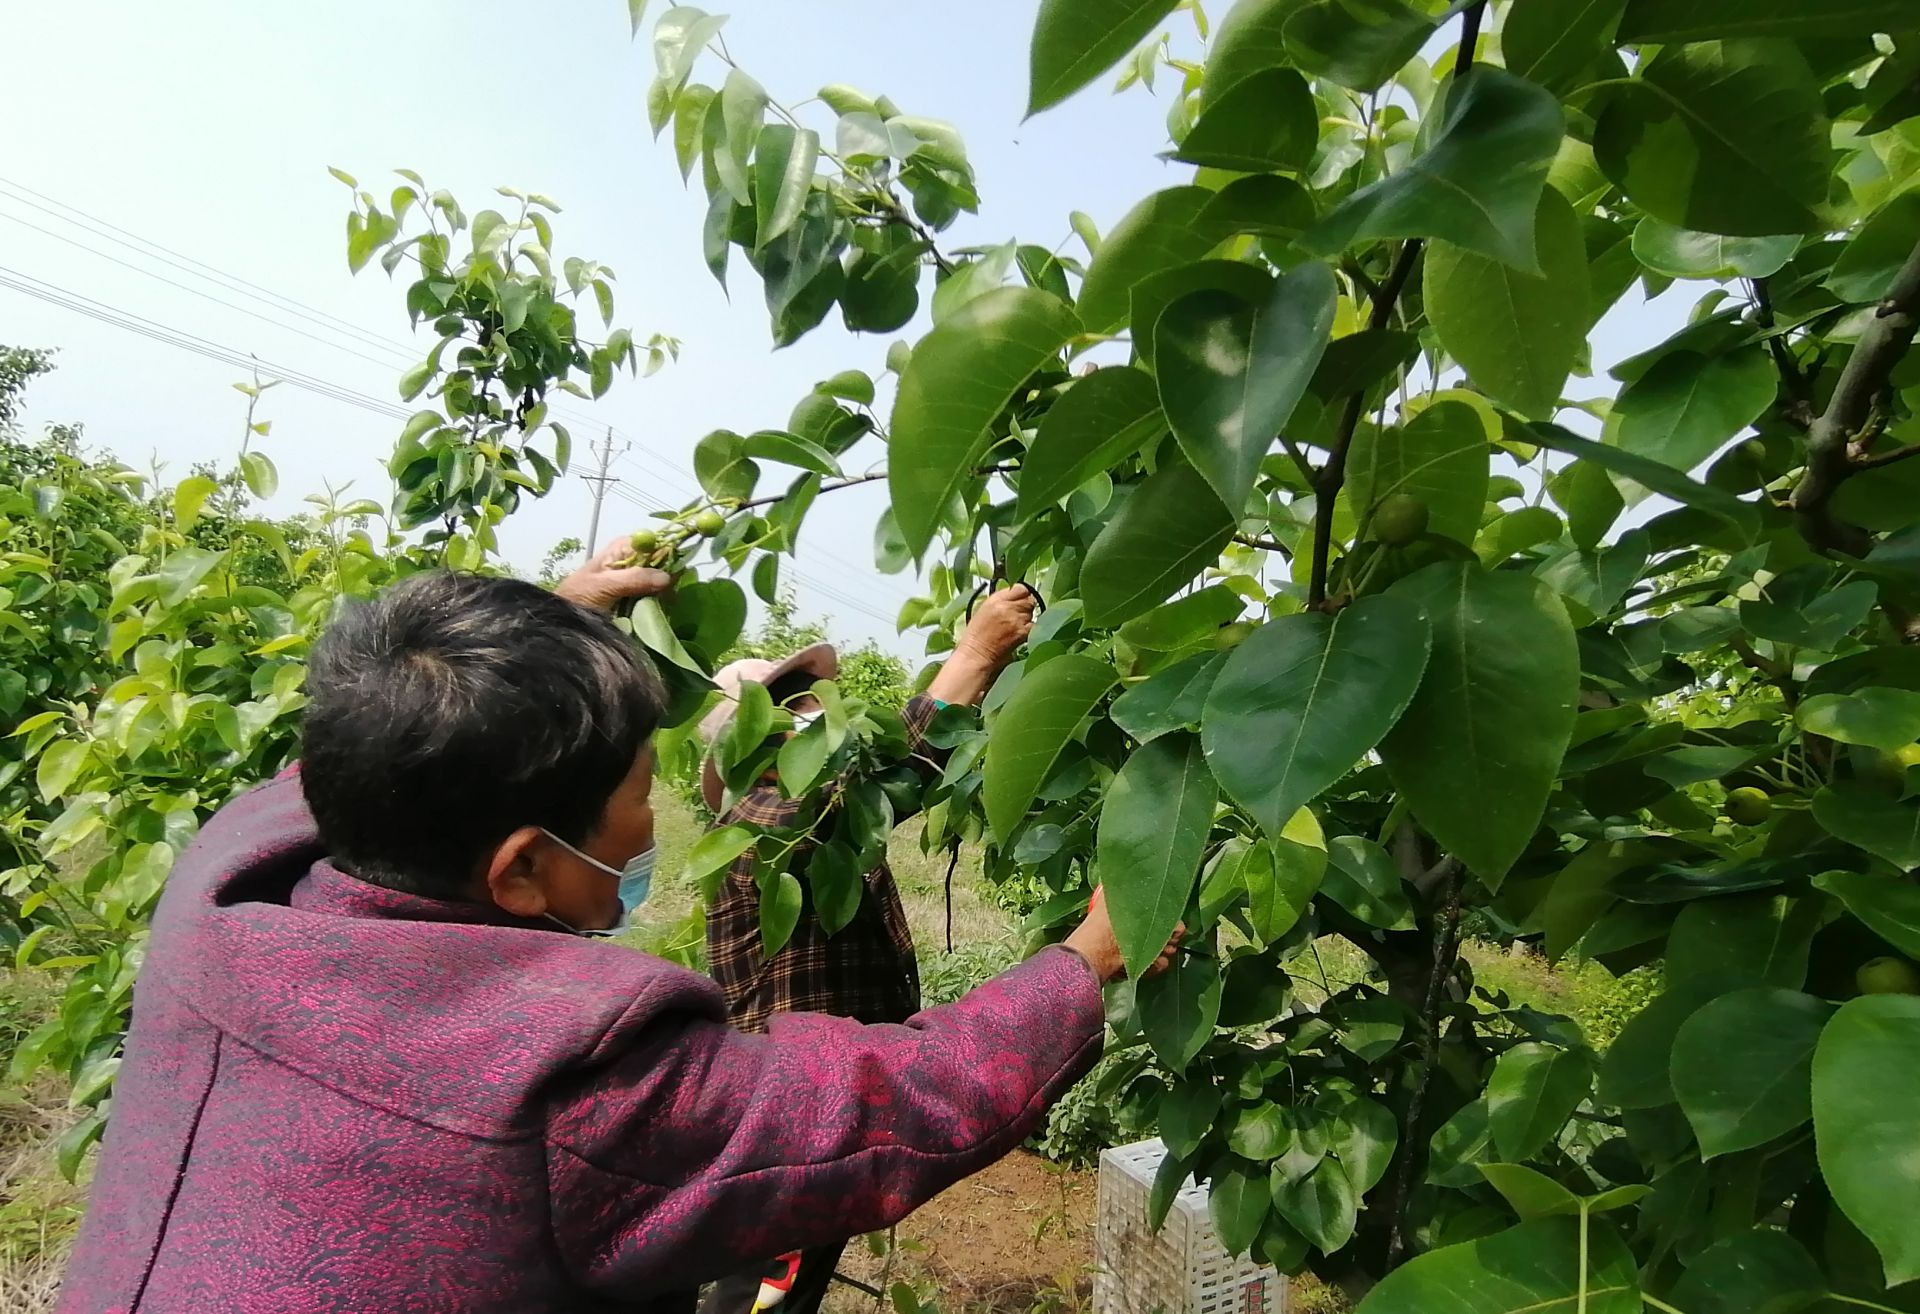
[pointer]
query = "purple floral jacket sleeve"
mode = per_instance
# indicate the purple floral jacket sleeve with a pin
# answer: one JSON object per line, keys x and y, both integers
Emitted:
{"x": 819, "y": 1130}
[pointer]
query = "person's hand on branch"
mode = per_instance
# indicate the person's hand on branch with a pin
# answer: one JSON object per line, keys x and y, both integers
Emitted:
{"x": 1094, "y": 940}
{"x": 1000, "y": 624}
{"x": 605, "y": 581}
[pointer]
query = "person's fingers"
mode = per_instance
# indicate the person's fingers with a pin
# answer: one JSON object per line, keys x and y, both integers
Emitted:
{"x": 613, "y": 551}
{"x": 638, "y": 581}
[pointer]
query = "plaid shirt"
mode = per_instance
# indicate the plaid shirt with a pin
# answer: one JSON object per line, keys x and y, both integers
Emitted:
{"x": 866, "y": 972}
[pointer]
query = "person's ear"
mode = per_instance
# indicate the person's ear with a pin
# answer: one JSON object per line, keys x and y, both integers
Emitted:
{"x": 516, "y": 875}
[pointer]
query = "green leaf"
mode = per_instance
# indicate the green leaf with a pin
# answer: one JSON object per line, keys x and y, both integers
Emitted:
{"x": 1866, "y": 1128}
{"x": 1637, "y": 1070}
{"x": 1867, "y": 267}
{"x": 1359, "y": 44}
{"x": 1579, "y": 894}
{"x": 1696, "y": 629}
{"x": 1363, "y": 1134}
{"x": 1282, "y": 875}
{"x": 189, "y": 496}
{"x": 1097, "y": 423}
{"x": 1516, "y": 532}
{"x": 1742, "y": 940}
{"x": 716, "y": 850}
{"x": 973, "y": 279}
{"x": 636, "y": 10}
{"x": 1231, "y": 372}
{"x": 1743, "y": 1065}
{"x": 1478, "y": 750}
{"x": 1723, "y": 137}
{"x": 960, "y": 377}
{"x": 1679, "y": 253}
{"x": 1890, "y": 908}
{"x": 60, "y": 765}
{"x": 743, "y": 108}
{"x": 1705, "y": 20}
{"x": 1517, "y": 335}
{"x": 1460, "y": 1146}
{"x": 1887, "y": 719}
{"x": 1439, "y": 456}
{"x": 720, "y": 464}
{"x": 1168, "y": 1180}
{"x": 1255, "y": 992}
{"x": 1169, "y": 700}
{"x": 1534, "y": 1089}
{"x": 1265, "y": 122}
{"x": 1179, "y": 1007}
{"x": 790, "y": 449}
{"x": 1532, "y": 1195}
{"x": 651, "y": 627}
{"x": 834, "y": 876}
{"x": 1821, "y": 624}
{"x": 1322, "y": 1206}
{"x": 1238, "y": 1200}
{"x": 1759, "y": 1271}
{"x": 1258, "y": 1132}
{"x": 1688, "y": 405}
{"x": 1650, "y": 474}
{"x": 1371, "y": 1026}
{"x": 780, "y": 904}
{"x": 1476, "y": 184}
{"x": 782, "y": 177}
{"x": 1250, "y": 38}
{"x": 261, "y": 478}
{"x": 1041, "y": 715}
{"x": 1588, "y": 496}
{"x": 1161, "y": 232}
{"x": 1171, "y": 528}
{"x": 1075, "y": 41}
{"x": 1539, "y": 1267}
{"x": 802, "y": 758}
{"x": 1152, "y": 832}
{"x": 678, "y": 38}
{"x": 1867, "y": 819}
{"x": 1153, "y": 294}
{"x": 1556, "y": 42}
{"x": 1186, "y": 1115}
{"x": 1305, "y": 696}
{"x": 1361, "y": 878}
{"x": 184, "y": 570}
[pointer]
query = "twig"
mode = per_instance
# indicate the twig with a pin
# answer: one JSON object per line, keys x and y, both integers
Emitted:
{"x": 1264, "y": 544}
{"x": 854, "y": 481}
{"x": 1885, "y": 459}
{"x": 1446, "y": 950}
{"x": 1299, "y": 459}
{"x": 1829, "y": 461}
{"x": 1799, "y": 408}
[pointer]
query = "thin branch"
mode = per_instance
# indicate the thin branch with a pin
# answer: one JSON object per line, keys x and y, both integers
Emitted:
{"x": 1385, "y": 298}
{"x": 1866, "y": 377}
{"x": 771, "y": 498}
{"x": 1885, "y": 459}
{"x": 1798, "y": 410}
{"x": 1299, "y": 458}
{"x": 1446, "y": 950}
{"x": 1264, "y": 544}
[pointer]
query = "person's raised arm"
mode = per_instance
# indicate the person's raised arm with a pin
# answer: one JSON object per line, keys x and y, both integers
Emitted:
{"x": 999, "y": 626}
{"x": 604, "y": 581}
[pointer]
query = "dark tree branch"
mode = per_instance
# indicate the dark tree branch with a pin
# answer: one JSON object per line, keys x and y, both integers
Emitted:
{"x": 1264, "y": 544}
{"x": 1798, "y": 410}
{"x": 1830, "y": 458}
{"x": 855, "y": 481}
{"x": 1334, "y": 474}
{"x": 1446, "y": 950}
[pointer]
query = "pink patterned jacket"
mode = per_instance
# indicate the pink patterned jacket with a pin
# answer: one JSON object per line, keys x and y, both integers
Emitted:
{"x": 340, "y": 1098}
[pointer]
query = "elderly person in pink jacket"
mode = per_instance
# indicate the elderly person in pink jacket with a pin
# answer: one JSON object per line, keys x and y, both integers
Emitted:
{"x": 381, "y": 1060}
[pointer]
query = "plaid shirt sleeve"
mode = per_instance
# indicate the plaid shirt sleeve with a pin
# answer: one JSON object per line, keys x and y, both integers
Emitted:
{"x": 866, "y": 972}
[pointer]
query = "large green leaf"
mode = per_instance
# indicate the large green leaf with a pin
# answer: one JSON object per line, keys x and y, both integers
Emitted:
{"x": 1760, "y": 1271}
{"x": 1075, "y": 41}
{"x": 1587, "y": 494}
{"x": 1517, "y": 335}
{"x": 1361, "y": 878}
{"x": 1264, "y": 123}
{"x": 1547, "y": 1266}
{"x": 1162, "y": 231}
{"x": 1706, "y": 20}
{"x": 1098, "y": 422}
{"x": 1534, "y": 1089}
{"x": 1650, "y": 474}
{"x": 1179, "y": 1007}
{"x": 1886, "y": 827}
{"x": 1680, "y": 253}
{"x": 1231, "y": 372}
{"x": 1739, "y": 940}
{"x": 1153, "y": 829}
{"x": 1887, "y": 719}
{"x": 1282, "y": 875}
{"x": 1029, "y": 731}
{"x": 1870, "y": 262}
{"x": 1171, "y": 528}
{"x": 1682, "y": 410}
{"x": 1357, "y": 43}
{"x": 1476, "y": 183}
{"x": 1637, "y": 1071}
{"x": 1439, "y": 456}
{"x": 1173, "y": 699}
{"x": 1238, "y": 1201}
{"x": 1362, "y": 1135}
{"x": 1743, "y": 1067}
{"x": 1477, "y": 751}
{"x": 960, "y": 376}
{"x": 1154, "y": 293}
{"x": 1304, "y": 696}
{"x": 1556, "y": 42}
{"x": 1322, "y": 1206}
{"x": 1723, "y": 137}
{"x": 1250, "y": 38}
{"x": 1890, "y": 908}
{"x": 1866, "y": 1123}
{"x": 782, "y": 175}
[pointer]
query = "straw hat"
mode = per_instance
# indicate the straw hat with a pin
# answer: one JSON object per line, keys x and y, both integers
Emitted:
{"x": 819, "y": 661}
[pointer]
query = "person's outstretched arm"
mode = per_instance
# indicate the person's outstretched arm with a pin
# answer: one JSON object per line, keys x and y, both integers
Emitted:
{"x": 700, "y": 1149}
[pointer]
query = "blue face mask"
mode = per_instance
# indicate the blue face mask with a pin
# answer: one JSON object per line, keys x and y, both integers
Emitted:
{"x": 636, "y": 883}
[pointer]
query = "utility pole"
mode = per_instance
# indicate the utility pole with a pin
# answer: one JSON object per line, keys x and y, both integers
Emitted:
{"x": 600, "y": 483}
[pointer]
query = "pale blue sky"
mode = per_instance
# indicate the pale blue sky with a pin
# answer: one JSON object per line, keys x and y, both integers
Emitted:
{"x": 206, "y": 126}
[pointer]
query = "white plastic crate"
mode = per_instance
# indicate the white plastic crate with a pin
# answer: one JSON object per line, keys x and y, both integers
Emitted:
{"x": 1180, "y": 1270}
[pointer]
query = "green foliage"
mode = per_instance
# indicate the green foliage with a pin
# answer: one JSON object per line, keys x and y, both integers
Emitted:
{"x": 1454, "y": 690}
